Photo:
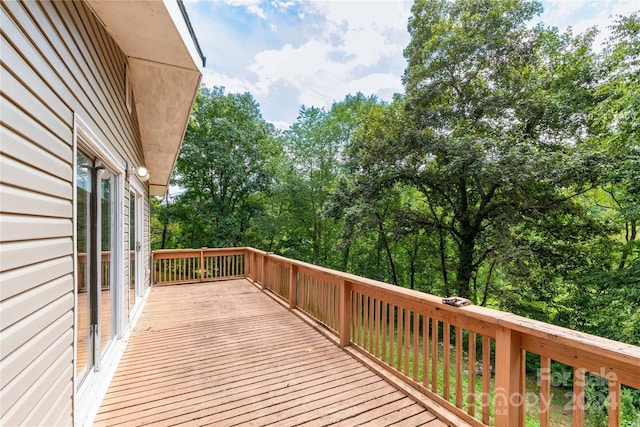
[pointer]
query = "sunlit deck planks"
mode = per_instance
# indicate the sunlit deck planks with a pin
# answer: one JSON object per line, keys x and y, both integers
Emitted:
{"x": 224, "y": 353}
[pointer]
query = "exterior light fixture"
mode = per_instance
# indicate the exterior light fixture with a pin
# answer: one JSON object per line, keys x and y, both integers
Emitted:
{"x": 142, "y": 173}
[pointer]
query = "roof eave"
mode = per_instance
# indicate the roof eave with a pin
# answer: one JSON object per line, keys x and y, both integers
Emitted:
{"x": 165, "y": 68}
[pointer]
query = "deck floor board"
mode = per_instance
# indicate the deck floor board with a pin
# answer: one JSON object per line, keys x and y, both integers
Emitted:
{"x": 225, "y": 354}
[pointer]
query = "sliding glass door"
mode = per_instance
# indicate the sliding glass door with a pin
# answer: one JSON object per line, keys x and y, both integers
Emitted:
{"x": 96, "y": 228}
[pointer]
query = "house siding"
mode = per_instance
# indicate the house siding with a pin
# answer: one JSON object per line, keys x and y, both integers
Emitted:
{"x": 57, "y": 62}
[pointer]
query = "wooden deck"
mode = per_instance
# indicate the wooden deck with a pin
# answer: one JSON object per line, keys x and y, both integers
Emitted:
{"x": 224, "y": 354}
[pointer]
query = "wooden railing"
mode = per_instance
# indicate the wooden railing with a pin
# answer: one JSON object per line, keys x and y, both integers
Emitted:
{"x": 469, "y": 360}
{"x": 175, "y": 266}
{"x": 105, "y": 270}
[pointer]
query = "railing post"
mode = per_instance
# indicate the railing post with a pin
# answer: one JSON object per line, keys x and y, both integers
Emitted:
{"x": 247, "y": 266}
{"x": 202, "y": 263}
{"x": 152, "y": 260}
{"x": 509, "y": 390}
{"x": 255, "y": 271}
{"x": 345, "y": 314}
{"x": 293, "y": 286}
{"x": 265, "y": 259}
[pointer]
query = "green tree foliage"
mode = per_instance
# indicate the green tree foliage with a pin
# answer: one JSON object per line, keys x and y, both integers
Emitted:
{"x": 224, "y": 168}
{"x": 296, "y": 222}
{"x": 606, "y": 300}
{"x": 489, "y": 137}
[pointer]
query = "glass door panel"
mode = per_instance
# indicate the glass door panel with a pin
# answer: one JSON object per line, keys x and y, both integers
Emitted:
{"x": 107, "y": 207}
{"x": 84, "y": 175}
{"x": 132, "y": 248}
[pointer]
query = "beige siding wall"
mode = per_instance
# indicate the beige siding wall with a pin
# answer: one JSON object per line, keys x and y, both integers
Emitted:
{"x": 57, "y": 61}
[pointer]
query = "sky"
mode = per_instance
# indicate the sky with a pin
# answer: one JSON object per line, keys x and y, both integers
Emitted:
{"x": 292, "y": 53}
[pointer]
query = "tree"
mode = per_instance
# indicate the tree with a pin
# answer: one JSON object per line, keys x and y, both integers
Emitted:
{"x": 296, "y": 217}
{"x": 491, "y": 133}
{"x": 223, "y": 167}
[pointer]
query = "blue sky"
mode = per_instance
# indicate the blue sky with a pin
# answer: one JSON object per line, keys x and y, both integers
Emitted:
{"x": 289, "y": 53}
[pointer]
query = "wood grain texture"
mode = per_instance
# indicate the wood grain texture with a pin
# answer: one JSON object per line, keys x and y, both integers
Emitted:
{"x": 223, "y": 353}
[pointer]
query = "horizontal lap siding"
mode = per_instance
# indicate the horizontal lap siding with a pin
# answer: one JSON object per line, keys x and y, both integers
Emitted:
{"x": 57, "y": 60}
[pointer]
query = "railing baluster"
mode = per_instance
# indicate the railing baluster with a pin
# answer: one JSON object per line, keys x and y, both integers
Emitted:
{"x": 371, "y": 325}
{"x": 407, "y": 339}
{"x": 385, "y": 308}
{"x": 358, "y": 319}
{"x": 522, "y": 410}
{"x": 365, "y": 322}
{"x": 578, "y": 397}
{"x": 392, "y": 334}
{"x": 471, "y": 376}
{"x": 425, "y": 350}
{"x": 334, "y": 304}
{"x": 377, "y": 314}
{"x": 486, "y": 378}
{"x": 325, "y": 302}
{"x": 354, "y": 317}
{"x": 399, "y": 338}
{"x": 446, "y": 361}
{"x": 434, "y": 355}
{"x": 545, "y": 390}
{"x": 416, "y": 339}
{"x": 614, "y": 401}
{"x": 458, "y": 367}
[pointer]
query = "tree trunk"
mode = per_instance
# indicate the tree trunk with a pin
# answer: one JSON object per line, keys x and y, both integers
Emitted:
{"x": 443, "y": 262}
{"x": 632, "y": 233}
{"x": 413, "y": 256}
{"x": 392, "y": 266}
{"x": 487, "y": 283}
{"x": 164, "y": 236}
{"x": 345, "y": 257}
{"x": 465, "y": 267}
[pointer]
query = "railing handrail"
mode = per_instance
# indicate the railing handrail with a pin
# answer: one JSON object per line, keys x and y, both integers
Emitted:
{"x": 603, "y": 347}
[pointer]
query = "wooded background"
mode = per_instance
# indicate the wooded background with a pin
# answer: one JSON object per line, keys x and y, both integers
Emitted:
{"x": 507, "y": 172}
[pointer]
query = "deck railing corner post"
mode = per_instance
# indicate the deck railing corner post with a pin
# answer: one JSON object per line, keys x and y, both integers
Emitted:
{"x": 245, "y": 264}
{"x": 293, "y": 286}
{"x": 265, "y": 261}
{"x": 345, "y": 314}
{"x": 152, "y": 260}
{"x": 202, "y": 249}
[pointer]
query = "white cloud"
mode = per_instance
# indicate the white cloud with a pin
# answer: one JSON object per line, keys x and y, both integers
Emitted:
{"x": 564, "y": 8}
{"x": 358, "y": 36}
{"x": 581, "y": 15}
{"x": 282, "y": 4}
{"x": 253, "y": 6}
{"x": 231, "y": 84}
{"x": 365, "y": 13}
{"x": 282, "y": 125}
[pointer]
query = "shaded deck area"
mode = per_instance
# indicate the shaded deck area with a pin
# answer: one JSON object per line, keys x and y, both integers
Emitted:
{"x": 224, "y": 353}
